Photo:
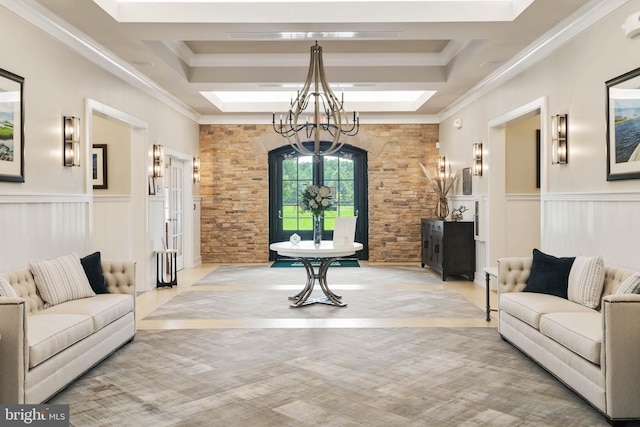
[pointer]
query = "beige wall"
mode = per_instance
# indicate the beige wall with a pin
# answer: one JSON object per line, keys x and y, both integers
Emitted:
{"x": 577, "y": 200}
{"x": 60, "y": 82}
{"x": 117, "y": 138}
{"x": 235, "y": 191}
{"x": 520, "y": 156}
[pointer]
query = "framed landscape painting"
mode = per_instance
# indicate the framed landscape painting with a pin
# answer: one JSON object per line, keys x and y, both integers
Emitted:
{"x": 11, "y": 127}
{"x": 623, "y": 126}
{"x": 99, "y": 166}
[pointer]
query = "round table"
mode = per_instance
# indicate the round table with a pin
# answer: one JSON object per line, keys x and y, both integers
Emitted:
{"x": 305, "y": 251}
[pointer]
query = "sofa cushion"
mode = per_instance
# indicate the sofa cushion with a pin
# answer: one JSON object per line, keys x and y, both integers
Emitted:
{"x": 103, "y": 309}
{"x": 6, "y": 290}
{"x": 579, "y": 332}
{"x": 528, "y": 307}
{"x": 631, "y": 285}
{"x": 92, "y": 266}
{"x": 61, "y": 279}
{"x": 586, "y": 281}
{"x": 549, "y": 274}
{"x": 49, "y": 334}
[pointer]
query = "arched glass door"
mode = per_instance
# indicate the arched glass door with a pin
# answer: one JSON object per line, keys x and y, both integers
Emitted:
{"x": 290, "y": 172}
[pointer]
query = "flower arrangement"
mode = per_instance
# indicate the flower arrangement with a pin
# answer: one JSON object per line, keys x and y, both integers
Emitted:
{"x": 441, "y": 184}
{"x": 316, "y": 199}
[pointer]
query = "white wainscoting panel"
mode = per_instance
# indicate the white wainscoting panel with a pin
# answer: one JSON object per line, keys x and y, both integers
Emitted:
{"x": 112, "y": 226}
{"x": 42, "y": 226}
{"x": 604, "y": 224}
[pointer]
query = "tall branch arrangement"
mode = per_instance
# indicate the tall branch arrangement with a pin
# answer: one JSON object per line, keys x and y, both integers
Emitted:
{"x": 441, "y": 184}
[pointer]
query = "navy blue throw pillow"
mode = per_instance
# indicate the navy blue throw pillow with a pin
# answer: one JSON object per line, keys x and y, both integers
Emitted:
{"x": 549, "y": 274}
{"x": 93, "y": 269}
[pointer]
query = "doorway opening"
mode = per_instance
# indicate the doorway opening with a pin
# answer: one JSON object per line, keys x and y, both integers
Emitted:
{"x": 290, "y": 172}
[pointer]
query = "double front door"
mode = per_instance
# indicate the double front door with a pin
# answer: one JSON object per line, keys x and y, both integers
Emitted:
{"x": 290, "y": 172}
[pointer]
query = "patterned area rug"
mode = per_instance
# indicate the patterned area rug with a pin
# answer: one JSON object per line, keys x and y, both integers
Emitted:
{"x": 322, "y": 377}
{"x": 370, "y": 292}
{"x": 344, "y": 376}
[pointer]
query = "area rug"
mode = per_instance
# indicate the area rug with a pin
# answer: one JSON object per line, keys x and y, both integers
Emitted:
{"x": 288, "y": 263}
{"x": 370, "y": 292}
{"x": 322, "y": 377}
{"x": 263, "y": 376}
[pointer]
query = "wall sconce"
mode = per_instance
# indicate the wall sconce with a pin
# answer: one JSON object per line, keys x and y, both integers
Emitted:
{"x": 559, "y": 140}
{"x": 442, "y": 166}
{"x": 477, "y": 159}
{"x": 196, "y": 169}
{"x": 158, "y": 161}
{"x": 71, "y": 142}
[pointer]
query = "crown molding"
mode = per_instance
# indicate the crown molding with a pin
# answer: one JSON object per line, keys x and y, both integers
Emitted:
{"x": 85, "y": 46}
{"x": 567, "y": 29}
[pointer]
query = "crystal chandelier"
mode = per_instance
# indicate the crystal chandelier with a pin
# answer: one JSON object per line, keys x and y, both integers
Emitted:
{"x": 328, "y": 121}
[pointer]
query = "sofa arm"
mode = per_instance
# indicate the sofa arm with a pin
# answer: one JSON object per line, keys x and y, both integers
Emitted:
{"x": 621, "y": 329}
{"x": 120, "y": 276}
{"x": 513, "y": 273}
{"x": 14, "y": 352}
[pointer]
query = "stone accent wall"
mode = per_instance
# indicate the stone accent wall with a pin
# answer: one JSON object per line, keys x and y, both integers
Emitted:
{"x": 234, "y": 185}
{"x": 397, "y": 197}
{"x": 235, "y": 191}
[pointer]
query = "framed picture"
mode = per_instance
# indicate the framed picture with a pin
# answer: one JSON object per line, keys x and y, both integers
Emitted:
{"x": 99, "y": 165}
{"x": 11, "y": 127}
{"x": 623, "y": 126}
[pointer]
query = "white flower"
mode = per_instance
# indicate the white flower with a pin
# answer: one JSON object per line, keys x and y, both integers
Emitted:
{"x": 325, "y": 202}
{"x": 325, "y": 192}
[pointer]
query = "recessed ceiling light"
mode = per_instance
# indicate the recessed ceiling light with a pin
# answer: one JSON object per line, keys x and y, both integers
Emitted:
{"x": 362, "y": 101}
{"x": 315, "y": 35}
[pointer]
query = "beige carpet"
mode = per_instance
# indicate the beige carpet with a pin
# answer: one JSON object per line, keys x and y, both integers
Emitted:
{"x": 339, "y": 376}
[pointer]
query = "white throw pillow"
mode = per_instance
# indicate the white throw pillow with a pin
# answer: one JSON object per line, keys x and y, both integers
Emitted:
{"x": 6, "y": 290}
{"x": 586, "y": 281}
{"x": 61, "y": 279}
{"x": 630, "y": 285}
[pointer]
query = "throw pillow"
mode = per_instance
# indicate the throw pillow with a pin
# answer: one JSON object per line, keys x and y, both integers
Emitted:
{"x": 549, "y": 274}
{"x": 631, "y": 285}
{"x": 6, "y": 290}
{"x": 92, "y": 266}
{"x": 586, "y": 281}
{"x": 61, "y": 279}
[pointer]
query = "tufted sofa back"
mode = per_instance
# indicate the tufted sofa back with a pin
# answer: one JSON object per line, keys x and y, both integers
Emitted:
{"x": 22, "y": 281}
{"x": 118, "y": 275}
{"x": 513, "y": 274}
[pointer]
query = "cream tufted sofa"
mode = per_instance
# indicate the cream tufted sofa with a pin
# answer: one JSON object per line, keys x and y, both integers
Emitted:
{"x": 594, "y": 352}
{"x": 43, "y": 350}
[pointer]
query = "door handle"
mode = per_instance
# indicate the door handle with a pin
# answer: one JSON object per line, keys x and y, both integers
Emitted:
{"x": 279, "y": 214}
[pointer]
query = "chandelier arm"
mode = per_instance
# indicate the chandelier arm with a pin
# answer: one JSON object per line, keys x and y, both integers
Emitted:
{"x": 336, "y": 123}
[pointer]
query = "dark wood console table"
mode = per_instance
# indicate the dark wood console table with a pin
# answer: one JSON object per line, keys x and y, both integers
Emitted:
{"x": 449, "y": 247}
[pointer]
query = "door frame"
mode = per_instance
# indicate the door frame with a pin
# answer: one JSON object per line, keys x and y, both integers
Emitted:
{"x": 361, "y": 176}
{"x": 188, "y": 205}
{"x": 496, "y": 202}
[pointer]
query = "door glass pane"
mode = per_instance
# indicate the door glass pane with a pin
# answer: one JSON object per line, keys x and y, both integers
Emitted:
{"x": 338, "y": 173}
{"x": 297, "y": 173}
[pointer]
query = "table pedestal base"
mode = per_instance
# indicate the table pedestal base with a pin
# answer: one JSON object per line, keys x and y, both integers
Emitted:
{"x": 302, "y": 297}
